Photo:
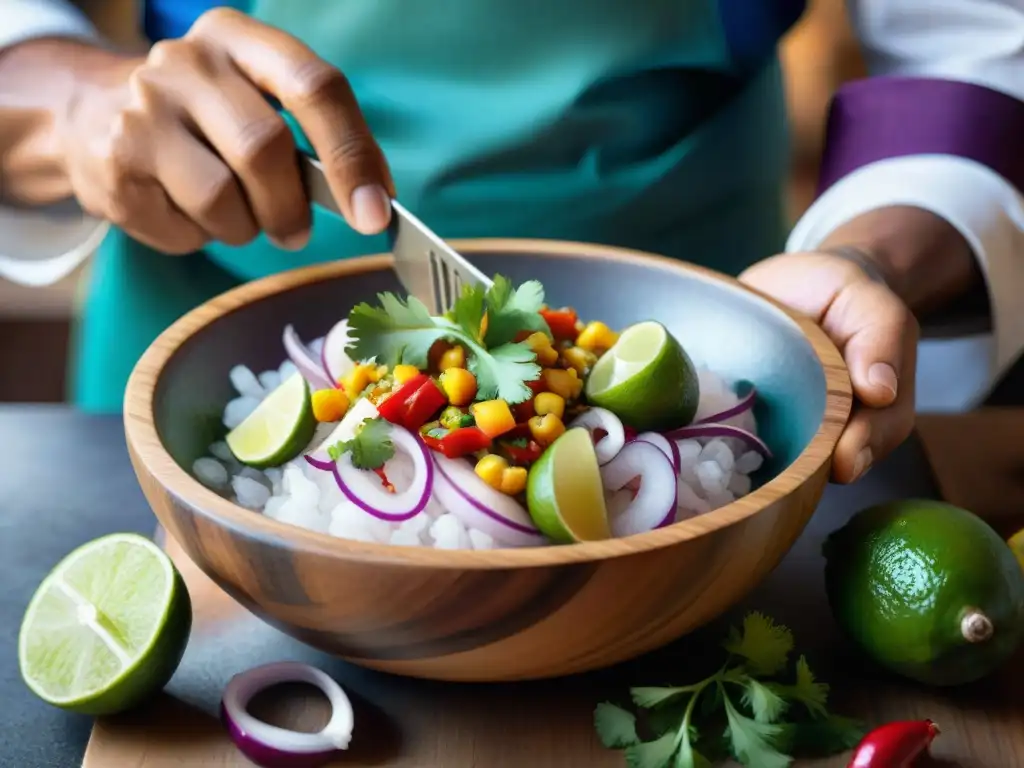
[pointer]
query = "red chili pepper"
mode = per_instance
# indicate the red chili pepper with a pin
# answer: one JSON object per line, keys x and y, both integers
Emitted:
{"x": 384, "y": 480}
{"x": 459, "y": 442}
{"x": 414, "y": 403}
{"x": 523, "y": 454}
{"x": 562, "y": 322}
{"x": 894, "y": 745}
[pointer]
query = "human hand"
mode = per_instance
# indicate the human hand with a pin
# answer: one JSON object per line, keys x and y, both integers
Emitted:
{"x": 877, "y": 335}
{"x": 181, "y": 147}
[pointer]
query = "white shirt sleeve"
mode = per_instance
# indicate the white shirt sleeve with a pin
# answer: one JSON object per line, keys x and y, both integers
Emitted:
{"x": 939, "y": 126}
{"x": 39, "y": 246}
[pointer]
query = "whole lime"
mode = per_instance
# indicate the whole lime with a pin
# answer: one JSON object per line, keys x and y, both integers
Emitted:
{"x": 927, "y": 589}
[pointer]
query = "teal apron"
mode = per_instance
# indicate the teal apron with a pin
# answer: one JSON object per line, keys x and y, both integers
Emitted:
{"x": 634, "y": 124}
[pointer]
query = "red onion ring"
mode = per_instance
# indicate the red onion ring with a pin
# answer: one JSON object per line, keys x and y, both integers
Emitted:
{"x": 654, "y": 505}
{"x": 752, "y": 441}
{"x": 746, "y": 402}
{"x": 608, "y": 446}
{"x": 307, "y": 363}
{"x": 360, "y": 411}
{"x": 463, "y": 493}
{"x": 666, "y": 446}
{"x": 268, "y": 745}
{"x": 333, "y": 357}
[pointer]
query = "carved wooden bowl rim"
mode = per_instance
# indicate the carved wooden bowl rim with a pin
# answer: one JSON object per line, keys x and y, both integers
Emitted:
{"x": 143, "y": 440}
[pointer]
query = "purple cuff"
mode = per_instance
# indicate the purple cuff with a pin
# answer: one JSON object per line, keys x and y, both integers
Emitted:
{"x": 884, "y": 117}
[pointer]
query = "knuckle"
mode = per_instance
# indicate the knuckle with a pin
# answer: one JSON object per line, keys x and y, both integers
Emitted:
{"x": 314, "y": 79}
{"x": 213, "y": 19}
{"x": 217, "y": 188}
{"x": 172, "y": 53}
{"x": 352, "y": 154}
{"x": 258, "y": 139}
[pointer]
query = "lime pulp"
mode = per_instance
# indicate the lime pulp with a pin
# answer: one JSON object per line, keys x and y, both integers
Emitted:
{"x": 279, "y": 429}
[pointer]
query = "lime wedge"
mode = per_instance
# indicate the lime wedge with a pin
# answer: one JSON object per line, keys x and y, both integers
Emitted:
{"x": 279, "y": 429}
{"x": 106, "y": 628}
{"x": 564, "y": 493}
{"x": 646, "y": 379}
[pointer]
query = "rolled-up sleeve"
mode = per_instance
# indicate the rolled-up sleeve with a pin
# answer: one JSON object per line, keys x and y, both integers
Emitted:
{"x": 39, "y": 246}
{"x": 940, "y": 126}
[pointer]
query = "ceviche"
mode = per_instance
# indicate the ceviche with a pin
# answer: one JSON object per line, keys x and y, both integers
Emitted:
{"x": 503, "y": 423}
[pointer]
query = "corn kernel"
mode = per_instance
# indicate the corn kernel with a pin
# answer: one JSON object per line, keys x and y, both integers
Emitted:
{"x": 579, "y": 359}
{"x": 513, "y": 481}
{"x": 452, "y": 358}
{"x": 459, "y": 385}
{"x": 565, "y": 383}
{"x": 597, "y": 336}
{"x": 494, "y": 417}
{"x": 490, "y": 469}
{"x": 540, "y": 344}
{"x": 549, "y": 402}
{"x": 404, "y": 373}
{"x": 329, "y": 405}
{"x": 377, "y": 372}
{"x": 358, "y": 379}
{"x": 546, "y": 429}
{"x": 437, "y": 349}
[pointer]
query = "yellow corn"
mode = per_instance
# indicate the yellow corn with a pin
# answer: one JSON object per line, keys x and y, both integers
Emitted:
{"x": 597, "y": 336}
{"x": 452, "y": 358}
{"x": 404, "y": 373}
{"x": 494, "y": 417}
{"x": 378, "y": 372}
{"x": 358, "y": 379}
{"x": 329, "y": 404}
{"x": 541, "y": 346}
{"x": 546, "y": 429}
{"x": 579, "y": 359}
{"x": 513, "y": 481}
{"x": 549, "y": 402}
{"x": 565, "y": 383}
{"x": 490, "y": 469}
{"x": 459, "y": 385}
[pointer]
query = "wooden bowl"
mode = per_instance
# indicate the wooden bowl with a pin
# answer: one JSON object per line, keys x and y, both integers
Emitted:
{"x": 508, "y": 614}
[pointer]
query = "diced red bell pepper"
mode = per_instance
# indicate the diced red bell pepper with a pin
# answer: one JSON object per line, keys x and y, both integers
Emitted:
{"x": 414, "y": 403}
{"x": 459, "y": 442}
{"x": 523, "y": 454}
{"x": 562, "y": 323}
{"x": 523, "y": 412}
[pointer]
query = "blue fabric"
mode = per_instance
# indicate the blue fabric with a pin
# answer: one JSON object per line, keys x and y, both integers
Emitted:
{"x": 753, "y": 28}
{"x": 165, "y": 19}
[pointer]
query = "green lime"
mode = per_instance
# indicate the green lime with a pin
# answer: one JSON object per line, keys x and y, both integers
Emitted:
{"x": 279, "y": 429}
{"x": 927, "y": 590}
{"x": 646, "y": 379}
{"x": 564, "y": 493}
{"x": 107, "y": 627}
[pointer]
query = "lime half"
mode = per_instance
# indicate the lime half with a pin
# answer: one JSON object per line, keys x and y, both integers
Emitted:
{"x": 279, "y": 429}
{"x": 106, "y": 628}
{"x": 646, "y": 379}
{"x": 564, "y": 493}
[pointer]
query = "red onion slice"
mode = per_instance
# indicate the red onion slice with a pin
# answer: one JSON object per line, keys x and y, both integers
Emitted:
{"x": 463, "y": 493}
{"x": 304, "y": 359}
{"x": 364, "y": 489}
{"x": 747, "y": 394}
{"x": 752, "y": 441}
{"x": 268, "y": 745}
{"x": 333, "y": 357}
{"x": 666, "y": 446}
{"x": 654, "y": 505}
{"x": 608, "y": 446}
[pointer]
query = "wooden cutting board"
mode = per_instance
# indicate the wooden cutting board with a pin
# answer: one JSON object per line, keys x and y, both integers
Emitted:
{"x": 414, "y": 724}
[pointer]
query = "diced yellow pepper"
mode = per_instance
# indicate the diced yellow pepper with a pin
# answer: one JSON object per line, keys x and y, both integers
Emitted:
{"x": 513, "y": 481}
{"x": 378, "y": 372}
{"x": 329, "y": 405}
{"x": 549, "y": 402}
{"x": 404, "y": 373}
{"x": 566, "y": 383}
{"x": 358, "y": 379}
{"x": 540, "y": 344}
{"x": 494, "y": 417}
{"x": 490, "y": 469}
{"x": 546, "y": 429}
{"x": 452, "y": 358}
{"x": 579, "y": 359}
{"x": 597, "y": 336}
{"x": 459, "y": 385}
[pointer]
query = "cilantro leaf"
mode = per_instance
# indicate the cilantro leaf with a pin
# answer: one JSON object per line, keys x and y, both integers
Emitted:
{"x": 511, "y": 310}
{"x": 763, "y": 644}
{"x": 812, "y": 694}
{"x": 824, "y": 737}
{"x": 616, "y": 728}
{"x": 688, "y": 757}
{"x": 753, "y": 743}
{"x": 371, "y": 447}
{"x": 468, "y": 312}
{"x": 653, "y": 754}
{"x": 765, "y": 703}
{"x": 652, "y": 697}
{"x": 501, "y": 372}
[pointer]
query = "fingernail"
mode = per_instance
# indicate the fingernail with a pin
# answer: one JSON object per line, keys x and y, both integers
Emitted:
{"x": 371, "y": 209}
{"x": 295, "y": 242}
{"x": 883, "y": 375}
{"x": 862, "y": 463}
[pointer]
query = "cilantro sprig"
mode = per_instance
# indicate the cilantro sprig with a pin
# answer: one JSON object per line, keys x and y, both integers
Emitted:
{"x": 486, "y": 322}
{"x": 743, "y": 705}
{"x": 371, "y": 446}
